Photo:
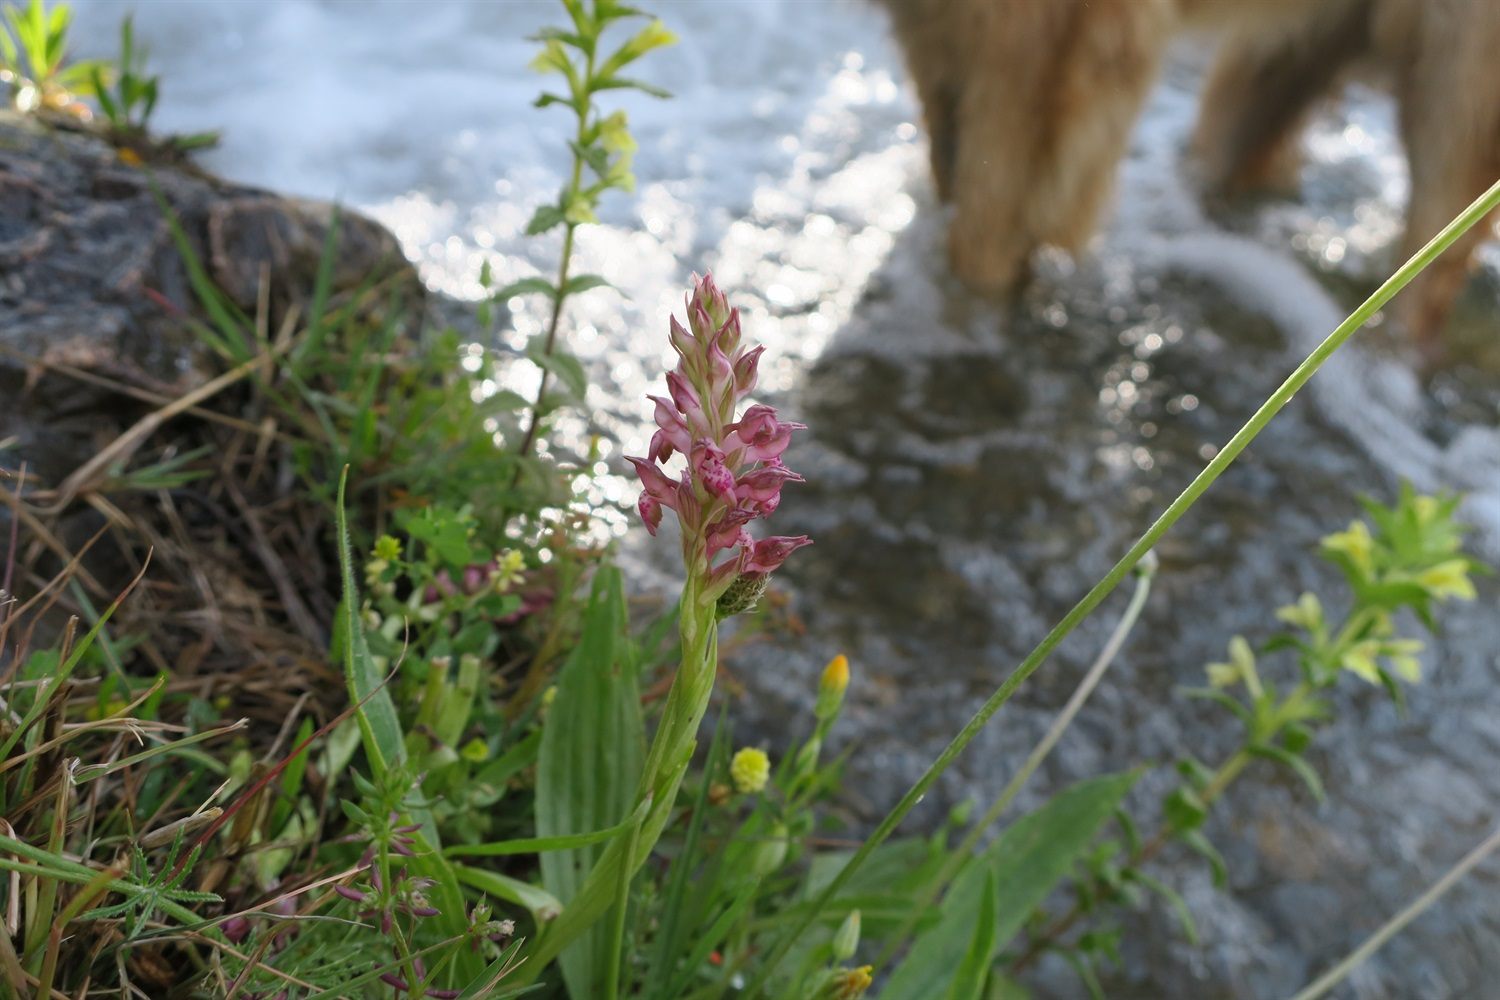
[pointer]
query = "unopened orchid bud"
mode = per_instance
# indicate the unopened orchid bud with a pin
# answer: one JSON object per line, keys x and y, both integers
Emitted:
{"x": 706, "y": 296}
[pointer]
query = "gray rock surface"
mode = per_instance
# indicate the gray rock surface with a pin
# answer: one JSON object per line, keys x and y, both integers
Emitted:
{"x": 970, "y": 476}
{"x": 90, "y": 278}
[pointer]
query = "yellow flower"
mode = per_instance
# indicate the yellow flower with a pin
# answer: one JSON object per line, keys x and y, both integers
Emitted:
{"x": 1402, "y": 656}
{"x": 1222, "y": 675}
{"x": 129, "y": 157}
{"x": 1240, "y": 668}
{"x": 1360, "y": 660}
{"x": 508, "y": 570}
{"x": 1307, "y": 613}
{"x": 751, "y": 769}
{"x": 1448, "y": 579}
{"x": 852, "y": 983}
{"x": 1355, "y": 543}
{"x": 387, "y": 548}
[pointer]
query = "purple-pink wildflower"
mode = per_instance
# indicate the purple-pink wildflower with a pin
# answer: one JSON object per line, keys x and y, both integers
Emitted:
{"x": 733, "y": 473}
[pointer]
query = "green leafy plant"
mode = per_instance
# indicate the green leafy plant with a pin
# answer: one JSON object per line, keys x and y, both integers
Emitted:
{"x": 1478, "y": 210}
{"x": 34, "y": 61}
{"x": 488, "y": 812}
{"x": 128, "y": 104}
{"x": 1413, "y": 559}
{"x": 602, "y": 149}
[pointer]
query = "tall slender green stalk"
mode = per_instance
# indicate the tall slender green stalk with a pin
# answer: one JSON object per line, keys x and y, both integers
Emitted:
{"x": 959, "y": 857}
{"x": 603, "y": 144}
{"x": 1471, "y": 216}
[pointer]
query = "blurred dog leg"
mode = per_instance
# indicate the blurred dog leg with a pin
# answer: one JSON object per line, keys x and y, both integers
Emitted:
{"x": 1448, "y": 92}
{"x": 1051, "y": 92}
{"x": 1265, "y": 81}
{"x": 933, "y": 60}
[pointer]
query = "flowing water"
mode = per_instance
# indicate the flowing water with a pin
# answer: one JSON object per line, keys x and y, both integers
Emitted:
{"x": 971, "y": 471}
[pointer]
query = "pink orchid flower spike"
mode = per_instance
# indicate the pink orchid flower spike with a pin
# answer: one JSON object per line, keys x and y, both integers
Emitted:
{"x": 734, "y": 471}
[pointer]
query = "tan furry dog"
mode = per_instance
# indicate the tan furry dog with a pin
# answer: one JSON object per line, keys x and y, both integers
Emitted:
{"x": 1029, "y": 104}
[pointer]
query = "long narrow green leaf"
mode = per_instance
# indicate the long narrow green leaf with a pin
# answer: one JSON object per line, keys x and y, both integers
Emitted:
{"x": 1298, "y": 766}
{"x": 541, "y": 904}
{"x": 385, "y": 747}
{"x": 322, "y": 283}
{"x": 540, "y": 845}
{"x": 233, "y": 337}
{"x": 706, "y": 940}
{"x": 589, "y": 764}
{"x": 378, "y": 724}
{"x": 668, "y": 935}
{"x": 64, "y": 671}
{"x": 969, "y": 982}
{"x": 1025, "y": 861}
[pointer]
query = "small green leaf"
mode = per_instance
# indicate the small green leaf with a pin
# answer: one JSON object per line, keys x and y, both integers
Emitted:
{"x": 526, "y": 286}
{"x": 557, "y": 34}
{"x": 545, "y": 218}
{"x": 597, "y": 157}
{"x": 652, "y": 36}
{"x": 1184, "y": 810}
{"x": 1202, "y": 845}
{"x": 624, "y": 83}
{"x": 584, "y": 283}
{"x": 505, "y": 401}
{"x": 1173, "y": 898}
{"x": 1285, "y": 757}
{"x": 564, "y": 367}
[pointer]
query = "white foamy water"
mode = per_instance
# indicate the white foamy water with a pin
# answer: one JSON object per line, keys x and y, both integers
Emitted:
{"x": 788, "y": 163}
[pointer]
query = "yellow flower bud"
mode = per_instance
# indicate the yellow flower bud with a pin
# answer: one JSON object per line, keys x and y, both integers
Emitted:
{"x": 751, "y": 769}
{"x": 831, "y": 687}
